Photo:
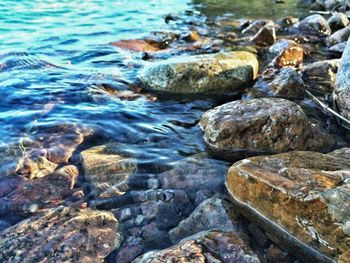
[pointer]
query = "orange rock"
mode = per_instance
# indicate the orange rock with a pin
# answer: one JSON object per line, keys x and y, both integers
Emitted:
{"x": 291, "y": 56}
{"x": 137, "y": 45}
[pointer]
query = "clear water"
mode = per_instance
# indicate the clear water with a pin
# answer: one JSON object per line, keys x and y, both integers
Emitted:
{"x": 55, "y": 55}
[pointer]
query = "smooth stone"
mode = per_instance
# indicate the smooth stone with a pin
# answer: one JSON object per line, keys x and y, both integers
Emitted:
{"x": 280, "y": 46}
{"x": 341, "y": 93}
{"x": 61, "y": 235}
{"x": 255, "y": 126}
{"x": 266, "y": 36}
{"x": 313, "y": 25}
{"x": 211, "y": 214}
{"x": 338, "y": 48}
{"x": 303, "y": 194}
{"x": 285, "y": 83}
{"x": 204, "y": 247}
{"x": 286, "y": 52}
{"x": 104, "y": 168}
{"x": 321, "y": 75}
{"x": 339, "y": 36}
{"x": 338, "y": 21}
{"x": 219, "y": 73}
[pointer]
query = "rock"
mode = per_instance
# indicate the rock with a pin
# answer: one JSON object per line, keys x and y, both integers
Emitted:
{"x": 35, "y": 167}
{"x": 61, "y": 235}
{"x": 219, "y": 73}
{"x": 276, "y": 255}
{"x": 338, "y": 48}
{"x": 248, "y": 127}
{"x": 206, "y": 247}
{"x": 266, "y": 36}
{"x": 305, "y": 193}
{"x": 30, "y": 196}
{"x": 286, "y": 53}
{"x": 104, "y": 168}
{"x": 256, "y": 25}
{"x": 340, "y": 36}
{"x": 211, "y": 214}
{"x": 338, "y": 21}
{"x": 4, "y": 224}
{"x": 321, "y": 74}
{"x": 137, "y": 45}
{"x": 341, "y": 94}
{"x": 285, "y": 83}
{"x": 313, "y": 25}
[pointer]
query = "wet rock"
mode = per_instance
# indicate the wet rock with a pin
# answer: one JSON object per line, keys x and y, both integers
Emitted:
{"x": 286, "y": 53}
{"x": 266, "y": 36}
{"x": 313, "y": 25}
{"x": 305, "y": 193}
{"x": 9, "y": 184}
{"x": 61, "y": 235}
{"x": 285, "y": 82}
{"x": 338, "y": 48}
{"x": 104, "y": 168}
{"x": 338, "y": 21}
{"x": 205, "y": 247}
{"x": 4, "y": 224}
{"x": 341, "y": 94}
{"x": 340, "y": 36}
{"x": 276, "y": 255}
{"x": 35, "y": 167}
{"x": 137, "y": 45}
{"x": 219, "y": 73}
{"x": 257, "y": 25}
{"x": 30, "y": 196}
{"x": 321, "y": 75}
{"x": 211, "y": 214}
{"x": 249, "y": 127}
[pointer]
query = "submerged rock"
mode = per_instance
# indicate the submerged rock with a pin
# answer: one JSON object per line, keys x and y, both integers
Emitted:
{"x": 250, "y": 127}
{"x": 205, "y": 247}
{"x": 104, "y": 168}
{"x": 61, "y": 235}
{"x": 321, "y": 75}
{"x": 219, "y": 73}
{"x": 305, "y": 193}
{"x": 341, "y": 94}
{"x": 286, "y": 83}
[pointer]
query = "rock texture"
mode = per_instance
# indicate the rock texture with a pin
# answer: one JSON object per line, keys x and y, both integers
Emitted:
{"x": 61, "y": 235}
{"x": 306, "y": 193}
{"x": 341, "y": 94}
{"x": 261, "y": 125}
{"x": 313, "y": 25}
{"x": 286, "y": 52}
{"x": 220, "y": 73}
{"x": 206, "y": 247}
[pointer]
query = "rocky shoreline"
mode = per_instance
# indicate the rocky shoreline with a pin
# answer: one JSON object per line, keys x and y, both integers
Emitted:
{"x": 284, "y": 198}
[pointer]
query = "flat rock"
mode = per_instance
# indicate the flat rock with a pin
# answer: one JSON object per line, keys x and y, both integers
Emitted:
{"x": 255, "y": 126}
{"x": 104, "y": 167}
{"x": 205, "y": 247}
{"x": 61, "y": 235}
{"x": 305, "y": 193}
{"x": 321, "y": 74}
{"x": 341, "y": 93}
{"x": 219, "y": 73}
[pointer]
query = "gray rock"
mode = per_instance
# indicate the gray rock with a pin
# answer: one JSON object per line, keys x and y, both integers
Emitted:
{"x": 321, "y": 75}
{"x": 338, "y": 21}
{"x": 219, "y": 73}
{"x": 280, "y": 46}
{"x": 341, "y": 94}
{"x": 338, "y": 37}
{"x": 209, "y": 215}
{"x": 255, "y": 126}
{"x": 338, "y": 48}
{"x": 314, "y": 25}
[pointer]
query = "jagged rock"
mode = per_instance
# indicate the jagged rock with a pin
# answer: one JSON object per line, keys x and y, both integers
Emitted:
{"x": 249, "y": 127}
{"x": 340, "y": 36}
{"x": 321, "y": 74}
{"x": 285, "y": 82}
{"x": 338, "y": 21}
{"x": 61, "y": 235}
{"x": 341, "y": 93}
{"x": 286, "y": 53}
{"x": 205, "y": 247}
{"x": 219, "y": 73}
{"x": 104, "y": 168}
{"x": 211, "y": 214}
{"x": 266, "y": 36}
{"x": 305, "y": 193}
{"x": 313, "y": 25}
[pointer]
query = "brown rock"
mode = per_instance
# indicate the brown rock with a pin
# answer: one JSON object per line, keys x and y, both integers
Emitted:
{"x": 266, "y": 36}
{"x": 305, "y": 193}
{"x": 291, "y": 56}
{"x": 137, "y": 45}
{"x": 249, "y": 127}
{"x": 206, "y": 247}
{"x": 61, "y": 235}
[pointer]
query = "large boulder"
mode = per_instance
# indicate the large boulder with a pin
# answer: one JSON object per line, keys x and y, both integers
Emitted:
{"x": 205, "y": 247}
{"x": 219, "y": 73}
{"x": 341, "y": 94}
{"x": 298, "y": 196}
{"x": 313, "y": 25}
{"x": 269, "y": 125}
{"x": 61, "y": 235}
